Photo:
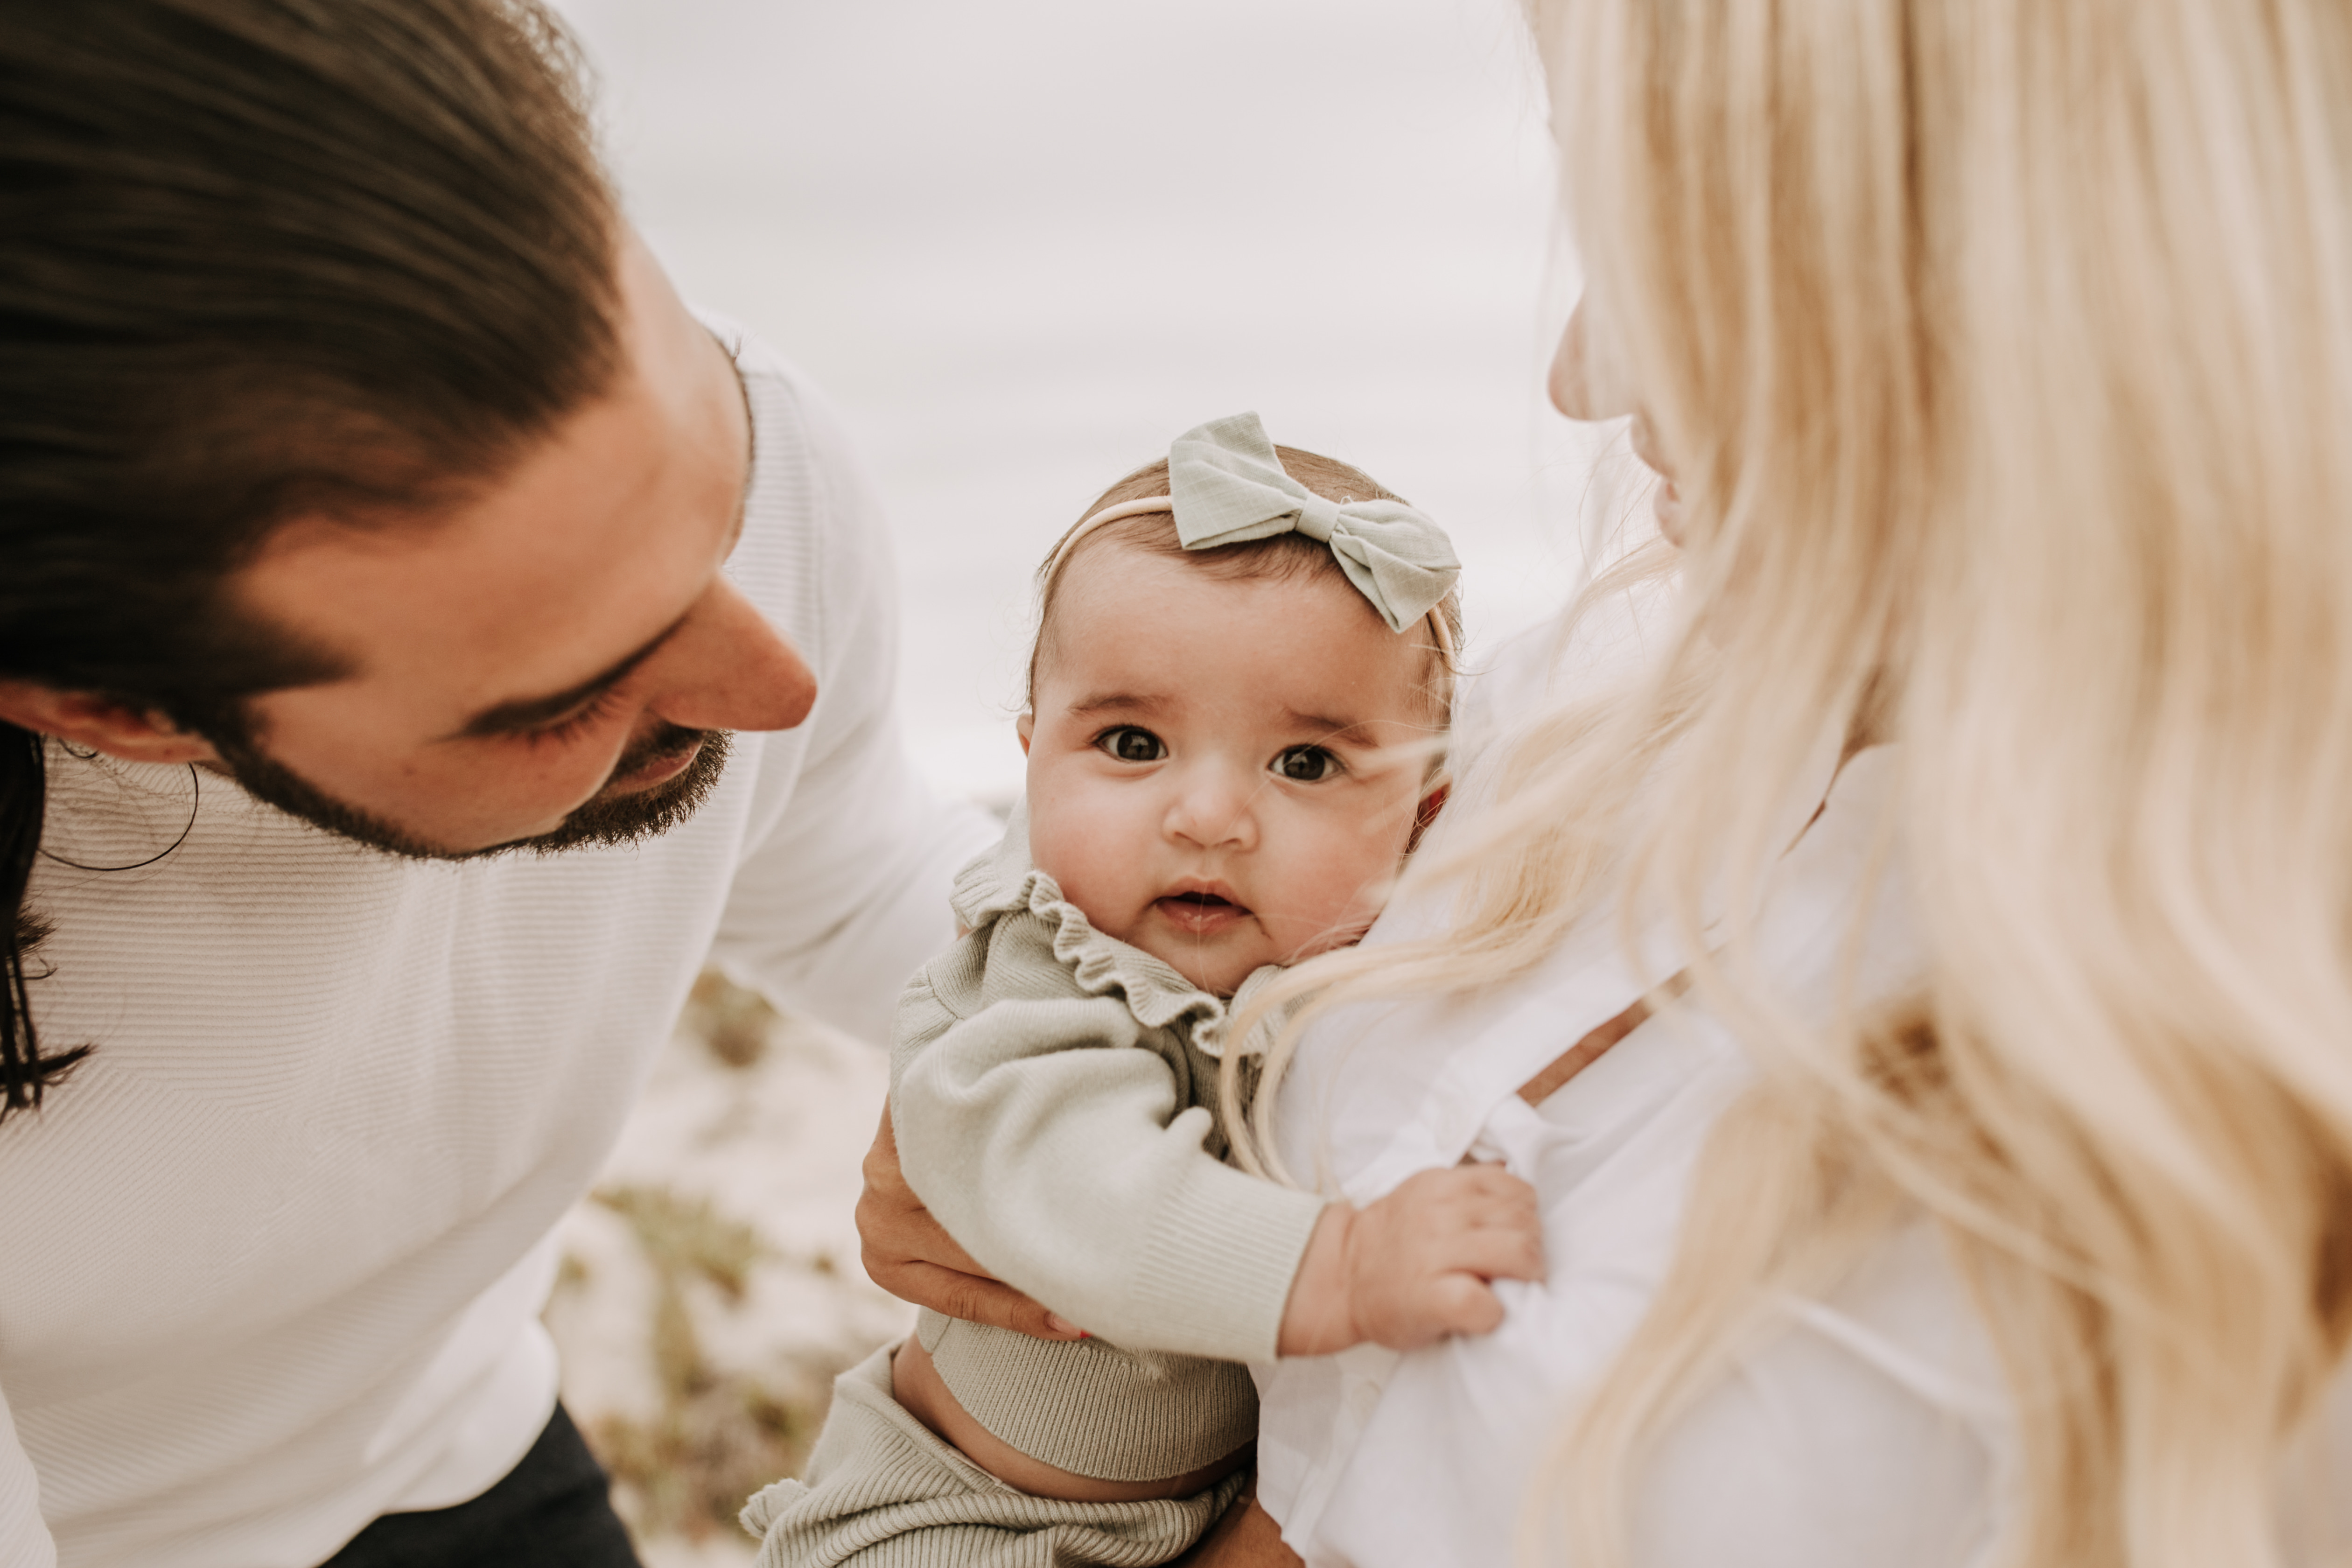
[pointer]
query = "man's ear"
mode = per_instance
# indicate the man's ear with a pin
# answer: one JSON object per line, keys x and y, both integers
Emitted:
{"x": 101, "y": 724}
{"x": 1023, "y": 727}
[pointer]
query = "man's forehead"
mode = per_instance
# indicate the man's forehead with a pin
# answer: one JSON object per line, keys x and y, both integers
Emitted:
{"x": 585, "y": 554}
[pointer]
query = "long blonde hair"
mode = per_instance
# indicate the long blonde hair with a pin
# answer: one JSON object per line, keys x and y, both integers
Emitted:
{"x": 2004, "y": 354}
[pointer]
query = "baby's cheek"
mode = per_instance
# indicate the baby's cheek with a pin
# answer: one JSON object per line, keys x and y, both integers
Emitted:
{"x": 1340, "y": 887}
{"x": 1089, "y": 854}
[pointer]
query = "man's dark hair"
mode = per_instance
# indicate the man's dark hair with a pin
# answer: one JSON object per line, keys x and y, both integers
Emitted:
{"x": 259, "y": 259}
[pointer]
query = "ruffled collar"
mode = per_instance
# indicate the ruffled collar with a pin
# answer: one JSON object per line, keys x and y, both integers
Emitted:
{"x": 1005, "y": 882}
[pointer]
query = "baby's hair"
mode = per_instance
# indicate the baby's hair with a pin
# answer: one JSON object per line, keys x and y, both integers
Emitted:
{"x": 1278, "y": 558}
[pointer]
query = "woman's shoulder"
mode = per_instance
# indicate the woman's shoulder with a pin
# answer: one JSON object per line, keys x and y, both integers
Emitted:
{"x": 1597, "y": 643}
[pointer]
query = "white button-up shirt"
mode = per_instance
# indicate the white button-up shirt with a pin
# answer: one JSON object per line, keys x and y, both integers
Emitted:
{"x": 1872, "y": 1431}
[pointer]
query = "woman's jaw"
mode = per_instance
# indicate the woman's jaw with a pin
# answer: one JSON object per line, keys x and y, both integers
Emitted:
{"x": 1582, "y": 395}
{"x": 1665, "y": 502}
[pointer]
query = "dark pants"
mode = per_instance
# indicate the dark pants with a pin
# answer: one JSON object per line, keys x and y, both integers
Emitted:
{"x": 553, "y": 1510}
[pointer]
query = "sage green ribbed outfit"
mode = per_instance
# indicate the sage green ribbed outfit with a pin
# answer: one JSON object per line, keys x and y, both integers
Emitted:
{"x": 883, "y": 1488}
{"x": 1053, "y": 1093}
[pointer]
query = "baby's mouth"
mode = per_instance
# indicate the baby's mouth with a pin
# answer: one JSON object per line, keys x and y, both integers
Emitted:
{"x": 1200, "y": 912}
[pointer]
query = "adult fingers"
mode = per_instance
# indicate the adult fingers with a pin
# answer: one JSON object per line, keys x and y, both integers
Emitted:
{"x": 965, "y": 1293}
{"x": 909, "y": 1254}
{"x": 880, "y": 1166}
{"x": 893, "y": 1226}
{"x": 980, "y": 1300}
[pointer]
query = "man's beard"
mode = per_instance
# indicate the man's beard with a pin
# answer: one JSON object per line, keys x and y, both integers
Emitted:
{"x": 602, "y": 821}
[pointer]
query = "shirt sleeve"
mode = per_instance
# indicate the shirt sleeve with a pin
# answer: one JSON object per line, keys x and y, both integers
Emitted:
{"x": 23, "y": 1539}
{"x": 842, "y": 892}
{"x": 1049, "y": 1140}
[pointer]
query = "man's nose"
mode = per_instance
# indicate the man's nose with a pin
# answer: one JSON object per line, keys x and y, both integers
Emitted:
{"x": 1210, "y": 808}
{"x": 729, "y": 669}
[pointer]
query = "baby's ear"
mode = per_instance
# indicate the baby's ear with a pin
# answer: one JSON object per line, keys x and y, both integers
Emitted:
{"x": 1023, "y": 727}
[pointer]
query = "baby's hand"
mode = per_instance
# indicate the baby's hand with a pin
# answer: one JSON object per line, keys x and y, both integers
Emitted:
{"x": 1414, "y": 1267}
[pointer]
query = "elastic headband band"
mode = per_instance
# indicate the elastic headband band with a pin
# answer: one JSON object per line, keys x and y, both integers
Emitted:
{"x": 1438, "y": 627}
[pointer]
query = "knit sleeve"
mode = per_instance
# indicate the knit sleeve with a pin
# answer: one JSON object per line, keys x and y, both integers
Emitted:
{"x": 23, "y": 1539}
{"x": 1054, "y": 1151}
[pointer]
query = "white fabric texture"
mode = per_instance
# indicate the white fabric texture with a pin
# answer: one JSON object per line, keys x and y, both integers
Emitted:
{"x": 276, "y": 1252}
{"x": 1872, "y": 1431}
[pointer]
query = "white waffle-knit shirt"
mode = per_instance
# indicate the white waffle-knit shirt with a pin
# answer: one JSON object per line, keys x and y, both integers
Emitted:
{"x": 272, "y": 1259}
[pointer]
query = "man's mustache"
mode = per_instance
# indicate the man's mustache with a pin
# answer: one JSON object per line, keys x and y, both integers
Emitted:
{"x": 660, "y": 746}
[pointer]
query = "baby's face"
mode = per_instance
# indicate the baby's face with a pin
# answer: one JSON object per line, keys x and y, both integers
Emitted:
{"x": 1223, "y": 773}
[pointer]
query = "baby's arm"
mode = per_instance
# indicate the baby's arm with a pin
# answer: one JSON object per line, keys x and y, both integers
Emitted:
{"x": 1055, "y": 1152}
{"x": 1052, "y": 1143}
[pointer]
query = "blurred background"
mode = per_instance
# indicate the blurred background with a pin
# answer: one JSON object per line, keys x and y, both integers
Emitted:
{"x": 1025, "y": 243}
{"x": 1022, "y": 245}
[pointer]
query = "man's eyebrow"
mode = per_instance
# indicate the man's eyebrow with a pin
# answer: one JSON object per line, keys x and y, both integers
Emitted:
{"x": 531, "y": 712}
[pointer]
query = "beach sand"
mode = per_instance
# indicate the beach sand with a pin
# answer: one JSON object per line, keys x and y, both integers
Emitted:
{"x": 712, "y": 1286}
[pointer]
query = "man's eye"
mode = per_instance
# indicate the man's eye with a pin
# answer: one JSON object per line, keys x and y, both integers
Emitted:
{"x": 1130, "y": 745}
{"x": 1307, "y": 765}
{"x": 574, "y": 725}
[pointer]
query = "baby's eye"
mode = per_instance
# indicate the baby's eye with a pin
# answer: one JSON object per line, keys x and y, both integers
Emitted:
{"x": 1130, "y": 745}
{"x": 1307, "y": 765}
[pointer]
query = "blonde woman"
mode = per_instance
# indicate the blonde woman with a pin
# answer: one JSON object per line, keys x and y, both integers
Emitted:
{"x": 1922, "y": 997}
{"x": 1987, "y": 1197}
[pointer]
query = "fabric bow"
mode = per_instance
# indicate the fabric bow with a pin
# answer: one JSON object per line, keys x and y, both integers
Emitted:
{"x": 1227, "y": 487}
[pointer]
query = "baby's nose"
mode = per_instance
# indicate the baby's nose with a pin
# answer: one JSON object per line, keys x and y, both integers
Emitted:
{"x": 1211, "y": 809}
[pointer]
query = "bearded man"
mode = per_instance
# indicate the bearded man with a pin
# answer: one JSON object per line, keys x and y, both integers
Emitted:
{"x": 423, "y": 644}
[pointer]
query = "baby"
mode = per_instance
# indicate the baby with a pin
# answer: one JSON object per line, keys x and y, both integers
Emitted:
{"x": 1243, "y": 659}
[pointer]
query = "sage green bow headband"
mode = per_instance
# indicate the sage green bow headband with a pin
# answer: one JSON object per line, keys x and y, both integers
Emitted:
{"x": 1226, "y": 486}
